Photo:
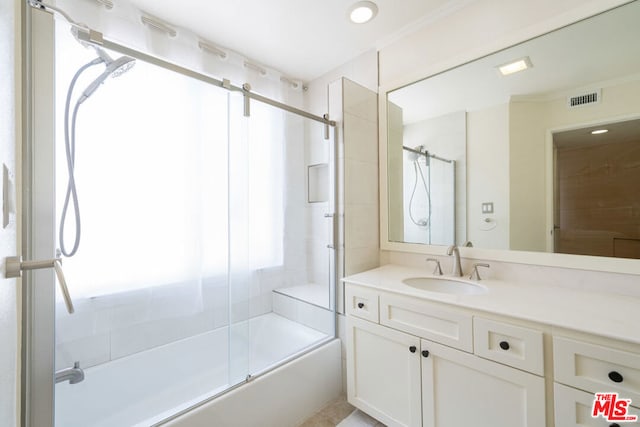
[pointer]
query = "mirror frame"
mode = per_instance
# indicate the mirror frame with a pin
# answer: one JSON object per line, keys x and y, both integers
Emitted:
{"x": 582, "y": 262}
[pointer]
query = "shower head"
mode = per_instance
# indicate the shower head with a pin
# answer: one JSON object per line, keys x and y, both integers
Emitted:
{"x": 114, "y": 68}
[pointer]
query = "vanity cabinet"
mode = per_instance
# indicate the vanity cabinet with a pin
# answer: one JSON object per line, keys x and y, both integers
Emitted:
{"x": 412, "y": 364}
{"x": 582, "y": 369}
{"x": 383, "y": 367}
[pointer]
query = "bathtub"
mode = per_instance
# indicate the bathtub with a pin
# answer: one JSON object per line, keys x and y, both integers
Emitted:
{"x": 190, "y": 382}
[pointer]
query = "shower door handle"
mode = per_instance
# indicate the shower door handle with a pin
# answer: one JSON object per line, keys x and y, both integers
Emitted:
{"x": 14, "y": 267}
{"x": 332, "y": 245}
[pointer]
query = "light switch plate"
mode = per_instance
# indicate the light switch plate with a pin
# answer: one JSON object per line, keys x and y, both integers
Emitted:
{"x": 487, "y": 207}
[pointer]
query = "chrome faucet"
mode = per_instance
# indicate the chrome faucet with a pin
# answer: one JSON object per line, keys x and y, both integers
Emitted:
{"x": 457, "y": 268}
{"x": 73, "y": 375}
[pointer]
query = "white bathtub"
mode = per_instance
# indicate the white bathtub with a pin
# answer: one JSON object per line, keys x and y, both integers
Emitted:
{"x": 147, "y": 387}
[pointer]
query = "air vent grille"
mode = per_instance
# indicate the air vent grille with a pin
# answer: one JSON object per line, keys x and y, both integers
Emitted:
{"x": 584, "y": 99}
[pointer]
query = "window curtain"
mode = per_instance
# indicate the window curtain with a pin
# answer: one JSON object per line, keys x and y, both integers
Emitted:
{"x": 175, "y": 185}
{"x": 121, "y": 21}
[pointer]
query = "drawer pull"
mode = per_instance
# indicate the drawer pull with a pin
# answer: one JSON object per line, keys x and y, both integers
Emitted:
{"x": 412, "y": 349}
{"x": 504, "y": 345}
{"x": 360, "y": 305}
{"x": 615, "y": 377}
{"x": 425, "y": 353}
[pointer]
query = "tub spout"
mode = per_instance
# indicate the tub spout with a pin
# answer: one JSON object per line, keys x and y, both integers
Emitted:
{"x": 73, "y": 375}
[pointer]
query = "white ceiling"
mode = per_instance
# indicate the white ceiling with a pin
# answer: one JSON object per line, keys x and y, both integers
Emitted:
{"x": 301, "y": 38}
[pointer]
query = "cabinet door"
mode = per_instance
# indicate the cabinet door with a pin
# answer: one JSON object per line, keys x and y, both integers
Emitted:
{"x": 460, "y": 389}
{"x": 383, "y": 373}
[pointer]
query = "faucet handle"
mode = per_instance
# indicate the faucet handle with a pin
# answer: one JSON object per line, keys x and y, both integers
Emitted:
{"x": 437, "y": 270}
{"x": 474, "y": 271}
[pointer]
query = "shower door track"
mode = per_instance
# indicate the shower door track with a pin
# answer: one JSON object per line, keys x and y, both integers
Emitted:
{"x": 96, "y": 38}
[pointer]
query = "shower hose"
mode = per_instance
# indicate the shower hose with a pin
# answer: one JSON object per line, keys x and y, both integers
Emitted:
{"x": 70, "y": 152}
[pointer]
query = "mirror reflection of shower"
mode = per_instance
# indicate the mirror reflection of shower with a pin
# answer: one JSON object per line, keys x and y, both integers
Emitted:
{"x": 419, "y": 156}
{"x": 429, "y": 180}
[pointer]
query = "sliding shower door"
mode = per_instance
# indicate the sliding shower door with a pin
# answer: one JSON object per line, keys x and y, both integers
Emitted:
{"x": 289, "y": 166}
{"x": 196, "y": 232}
{"x": 159, "y": 279}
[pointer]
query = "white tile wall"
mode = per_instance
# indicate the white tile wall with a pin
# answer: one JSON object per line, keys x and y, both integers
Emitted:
{"x": 361, "y": 200}
{"x": 302, "y": 312}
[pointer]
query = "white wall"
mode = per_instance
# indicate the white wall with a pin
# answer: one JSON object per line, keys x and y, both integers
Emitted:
{"x": 9, "y": 155}
{"x": 488, "y": 176}
{"x": 362, "y": 70}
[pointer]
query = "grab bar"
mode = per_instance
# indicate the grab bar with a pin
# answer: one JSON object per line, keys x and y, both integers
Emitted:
{"x": 14, "y": 267}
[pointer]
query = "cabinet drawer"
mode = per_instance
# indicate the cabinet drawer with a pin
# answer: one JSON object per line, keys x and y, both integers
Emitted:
{"x": 596, "y": 368}
{"x": 572, "y": 408}
{"x": 362, "y": 302}
{"x": 512, "y": 345}
{"x": 427, "y": 320}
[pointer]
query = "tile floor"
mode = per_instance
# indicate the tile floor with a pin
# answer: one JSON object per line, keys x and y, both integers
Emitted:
{"x": 340, "y": 413}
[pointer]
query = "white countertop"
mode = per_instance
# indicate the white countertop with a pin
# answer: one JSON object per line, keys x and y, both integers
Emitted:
{"x": 613, "y": 316}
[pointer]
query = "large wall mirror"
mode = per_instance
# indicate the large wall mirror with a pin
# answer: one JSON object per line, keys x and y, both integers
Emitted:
{"x": 534, "y": 148}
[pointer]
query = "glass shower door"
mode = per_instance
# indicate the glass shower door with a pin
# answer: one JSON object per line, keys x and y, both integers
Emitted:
{"x": 197, "y": 222}
{"x": 158, "y": 279}
{"x": 291, "y": 207}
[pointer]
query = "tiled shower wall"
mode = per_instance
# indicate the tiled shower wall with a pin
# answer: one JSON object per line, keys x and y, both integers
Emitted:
{"x": 355, "y": 108}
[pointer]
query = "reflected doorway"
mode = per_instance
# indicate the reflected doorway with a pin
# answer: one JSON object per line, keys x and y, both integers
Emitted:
{"x": 596, "y": 191}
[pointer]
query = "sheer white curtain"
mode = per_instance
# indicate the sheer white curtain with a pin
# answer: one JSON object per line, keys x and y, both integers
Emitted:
{"x": 172, "y": 180}
{"x": 121, "y": 21}
{"x": 151, "y": 174}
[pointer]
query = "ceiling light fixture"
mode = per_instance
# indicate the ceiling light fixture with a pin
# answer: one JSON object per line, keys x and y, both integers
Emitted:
{"x": 362, "y": 12}
{"x": 599, "y": 131}
{"x": 515, "y": 66}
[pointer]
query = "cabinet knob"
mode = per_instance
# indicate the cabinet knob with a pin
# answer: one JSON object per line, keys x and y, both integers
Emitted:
{"x": 615, "y": 377}
{"x": 412, "y": 349}
{"x": 504, "y": 345}
{"x": 425, "y": 353}
{"x": 360, "y": 305}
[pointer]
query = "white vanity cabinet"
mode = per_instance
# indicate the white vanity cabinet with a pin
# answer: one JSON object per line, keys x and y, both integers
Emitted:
{"x": 582, "y": 369}
{"x": 402, "y": 379}
{"x": 519, "y": 355}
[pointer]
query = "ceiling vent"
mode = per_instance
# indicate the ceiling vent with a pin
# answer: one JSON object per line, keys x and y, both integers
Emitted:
{"x": 584, "y": 99}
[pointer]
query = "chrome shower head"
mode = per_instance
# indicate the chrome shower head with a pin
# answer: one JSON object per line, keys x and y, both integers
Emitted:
{"x": 114, "y": 68}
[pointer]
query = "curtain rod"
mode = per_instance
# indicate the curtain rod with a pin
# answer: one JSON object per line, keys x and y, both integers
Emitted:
{"x": 95, "y": 37}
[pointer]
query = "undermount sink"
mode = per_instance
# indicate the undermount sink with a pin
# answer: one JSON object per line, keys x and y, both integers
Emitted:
{"x": 446, "y": 286}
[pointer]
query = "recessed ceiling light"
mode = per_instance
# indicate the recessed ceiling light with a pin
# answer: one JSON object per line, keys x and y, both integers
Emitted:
{"x": 599, "y": 131}
{"x": 515, "y": 66}
{"x": 363, "y": 11}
